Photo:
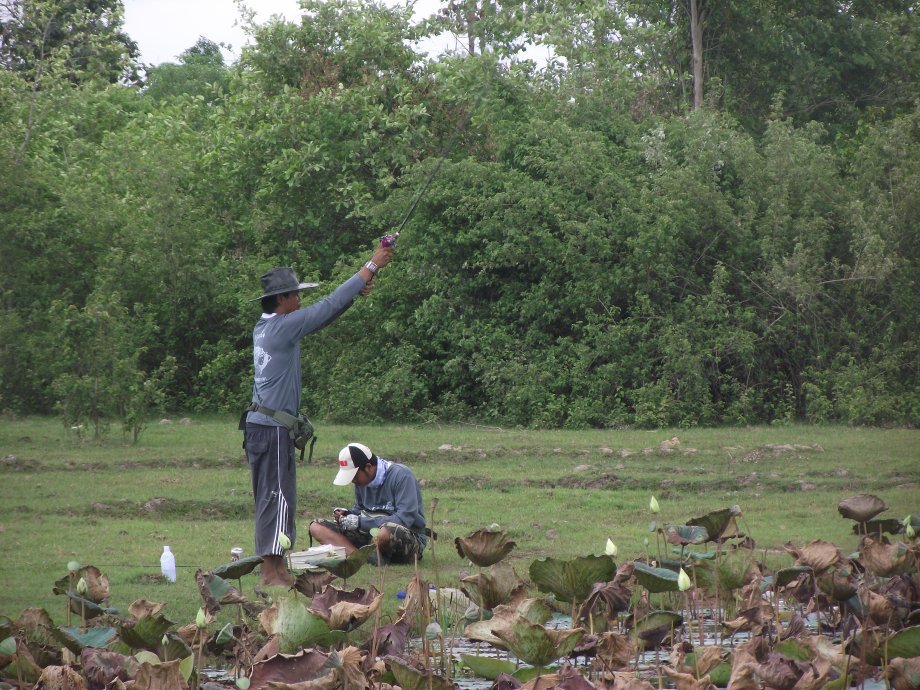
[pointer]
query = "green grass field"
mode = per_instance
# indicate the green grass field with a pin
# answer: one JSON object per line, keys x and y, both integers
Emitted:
{"x": 557, "y": 493}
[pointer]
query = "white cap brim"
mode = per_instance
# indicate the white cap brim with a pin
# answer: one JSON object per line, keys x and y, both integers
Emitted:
{"x": 344, "y": 477}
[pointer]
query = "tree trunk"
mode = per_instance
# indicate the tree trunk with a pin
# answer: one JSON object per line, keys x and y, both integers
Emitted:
{"x": 696, "y": 40}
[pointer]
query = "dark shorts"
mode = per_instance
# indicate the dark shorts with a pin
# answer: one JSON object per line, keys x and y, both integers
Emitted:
{"x": 405, "y": 546}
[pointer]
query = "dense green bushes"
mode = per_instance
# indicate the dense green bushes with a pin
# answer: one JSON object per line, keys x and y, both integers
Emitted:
{"x": 584, "y": 257}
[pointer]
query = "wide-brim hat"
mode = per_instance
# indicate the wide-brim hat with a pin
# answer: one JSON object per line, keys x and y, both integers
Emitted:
{"x": 279, "y": 281}
{"x": 352, "y": 458}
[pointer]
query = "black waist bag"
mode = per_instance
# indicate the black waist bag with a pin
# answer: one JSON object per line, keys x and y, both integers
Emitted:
{"x": 300, "y": 427}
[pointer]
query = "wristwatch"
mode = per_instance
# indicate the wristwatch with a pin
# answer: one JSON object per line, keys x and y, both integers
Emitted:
{"x": 372, "y": 267}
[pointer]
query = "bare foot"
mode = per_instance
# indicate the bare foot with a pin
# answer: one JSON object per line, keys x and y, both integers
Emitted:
{"x": 275, "y": 572}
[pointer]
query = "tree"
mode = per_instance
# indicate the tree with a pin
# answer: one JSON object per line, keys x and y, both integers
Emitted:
{"x": 200, "y": 72}
{"x": 85, "y": 37}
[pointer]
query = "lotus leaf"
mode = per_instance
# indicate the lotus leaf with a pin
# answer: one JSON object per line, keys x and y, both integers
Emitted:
{"x": 537, "y": 645}
{"x": 614, "y": 596}
{"x": 312, "y": 582}
{"x": 484, "y": 547}
{"x": 838, "y": 583}
{"x": 488, "y": 667}
{"x": 686, "y": 681}
{"x": 682, "y": 535}
{"x": 649, "y": 632}
{"x": 75, "y": 639}
{"x": 752, "y": 618}
{"x": 818, "y": 555}
{"x": 23, "y": 666}
{"x": 141, "y": 607}
{"x": 298, "y": 627}
{"x": 34, "y": 628}
{"x": 614, "y": 650}
{"x": 887, "y": 560}
{"x": 176, "y": 647}
{"x": 702, "y": 661}
{"x": 88, "y": 609}
{"x": 794, "y": 649}
{"x": 862, "y": 507}
{"x": 904, "y": 643}
{"x": 454, "y": 606}
{"x": 532, "y": 610}
{"x": 879, "y": 527}
{"x": 234, "y": 570}
{"x": 655, "y": 580}
{"x": 344, "y": 610}
{"x": 904, "y": 674}
{"x": 101, "y": 667}
{"x": 719, "y": 524}
{"x": 345, "y": 568}
{"x": 388, "y": 639}
{"x": 289, "y": 668}
{"x": 97, "y": 584}
{"x": 786, "y": 576}
{"x": 501, "y": 585}
{"x": 574, "y": 579}
{"x": 144, "y": 633}
{"x": 411, "y": 678}
{"x": 162, "y": 675}
{"x": 60, "y": 677}
{"x": 779, "y": 672}
{"x": 696, "y": 555}
{"x": 216, "y": 592}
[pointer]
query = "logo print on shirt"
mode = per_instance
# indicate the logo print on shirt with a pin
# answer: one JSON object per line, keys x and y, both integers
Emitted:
{"x": 261, "y": 359}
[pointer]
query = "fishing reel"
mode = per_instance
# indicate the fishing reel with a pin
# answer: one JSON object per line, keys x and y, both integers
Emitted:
{"x": 389, "y": 240}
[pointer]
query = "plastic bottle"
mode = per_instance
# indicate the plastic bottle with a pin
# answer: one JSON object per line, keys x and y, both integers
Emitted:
{"x": 168, "y": 564}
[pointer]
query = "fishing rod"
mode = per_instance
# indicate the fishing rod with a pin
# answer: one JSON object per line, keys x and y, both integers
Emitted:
{"x": 390, "y": 239}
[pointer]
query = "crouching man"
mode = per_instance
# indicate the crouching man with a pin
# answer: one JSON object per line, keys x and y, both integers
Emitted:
{"x": 387, "y": 496}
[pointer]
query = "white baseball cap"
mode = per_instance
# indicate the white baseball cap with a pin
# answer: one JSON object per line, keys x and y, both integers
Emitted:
{"x": 352, "y": 458}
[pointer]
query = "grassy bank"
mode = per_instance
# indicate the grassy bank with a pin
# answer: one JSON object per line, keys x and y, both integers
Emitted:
{"x": 558, "y": 493}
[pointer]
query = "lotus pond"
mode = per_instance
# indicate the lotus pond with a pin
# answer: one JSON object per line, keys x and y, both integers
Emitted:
{"x": 700, "y": 608}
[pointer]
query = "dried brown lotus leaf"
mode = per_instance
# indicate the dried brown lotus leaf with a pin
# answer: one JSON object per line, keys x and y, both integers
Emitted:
{"x": 484, "y": 547}
{"x": 816, "y": 676}
{"x": 887, "y": 560}
{"x": 904, "y": 674}
{"x": 861, "y": 508}
{"x": 614, "y": 651}
{"x": 629, "y": 681}
{"x": 687, "y": 681}
{"x": 818, "y": 555}
{"x": 142, "y": 607}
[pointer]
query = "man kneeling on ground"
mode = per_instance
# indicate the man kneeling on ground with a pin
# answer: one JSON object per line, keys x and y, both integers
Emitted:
{"x": 387, "y": 496}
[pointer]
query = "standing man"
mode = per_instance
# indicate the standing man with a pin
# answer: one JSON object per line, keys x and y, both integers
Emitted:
{"x": 387, "y": 497}
{"x": 272, "y": 416}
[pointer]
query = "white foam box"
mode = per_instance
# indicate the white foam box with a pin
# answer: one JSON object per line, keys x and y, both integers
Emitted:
{"x": 300, "y": 560}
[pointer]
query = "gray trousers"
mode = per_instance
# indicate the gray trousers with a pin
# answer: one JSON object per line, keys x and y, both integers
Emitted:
{"x": 270, "y": 454}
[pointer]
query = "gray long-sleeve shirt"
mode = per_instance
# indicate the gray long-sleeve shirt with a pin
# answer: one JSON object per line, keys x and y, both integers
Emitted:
{"x": 276, "y": 350}
{"x": 399, "y": 497}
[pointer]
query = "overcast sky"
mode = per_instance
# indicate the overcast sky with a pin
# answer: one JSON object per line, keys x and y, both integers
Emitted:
{"x": 165, "y": 28}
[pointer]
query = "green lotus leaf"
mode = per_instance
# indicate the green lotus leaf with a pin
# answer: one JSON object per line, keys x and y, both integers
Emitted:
{"x": 484, "y": 547}
{"x": 345, "y": 568}
{"x": 681, "y": 535}
{"x": 862, "y": 507}
{"x": 88, "y": 609}
{"x": 794, "y": 649}
{"x": 574, "y": 579}
{"x": 234, "y": 570}
{"x": 696, "y": 555}
{"x": 537, "y": 645}
{"x": 410, "y": 678}
{"x": 649, "y": 631}
{"x": 298, "y": 627}
{"x": 176, "y": 647}
{"x": 225, "y": 635}
{"x": 488, "y": 667}
{"x": 904, "y": 643}
{"x": 718, "y": 675}
{"x": 787, "y": 576}
{"x": 144, "y": 633}
{"x": 147, "y": 657}
{"x": 8, "y": 646}
{"x": 879, "y": 527}
{"x": 75, "y": 639}
{"x": 719, "y": 524}
{"x": 655, "y": 580}
{"x": 500, "y": 585}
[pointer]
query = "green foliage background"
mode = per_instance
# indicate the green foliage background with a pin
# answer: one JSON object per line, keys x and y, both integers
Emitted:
{"x": 594, "y": 252}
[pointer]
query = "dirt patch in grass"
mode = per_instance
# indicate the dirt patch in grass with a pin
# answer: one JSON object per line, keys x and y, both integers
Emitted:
{"x": 13, "y": 463}
{"x": 163, "y": 507}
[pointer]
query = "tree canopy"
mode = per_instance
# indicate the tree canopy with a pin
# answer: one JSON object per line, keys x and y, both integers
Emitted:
{"x": 647, "y": 229}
